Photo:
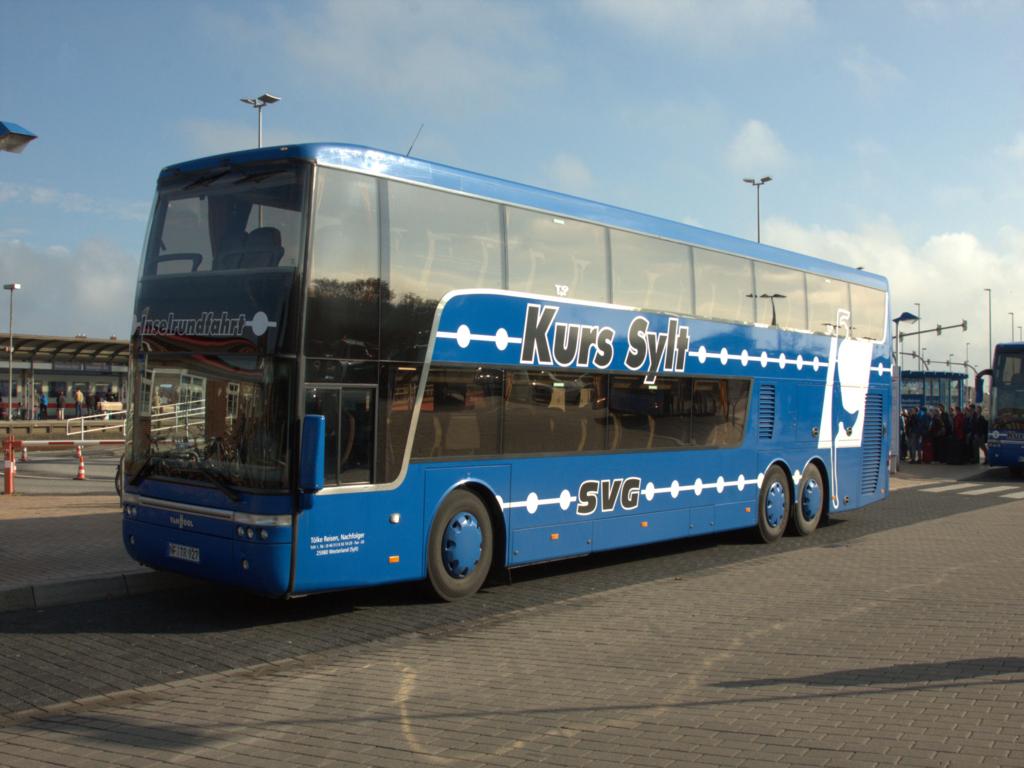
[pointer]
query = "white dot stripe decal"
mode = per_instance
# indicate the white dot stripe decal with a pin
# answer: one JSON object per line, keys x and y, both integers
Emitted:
{"x": 501, "y": 339}
{"x": 464, "y": 337}
{"x": 533, "y": 502}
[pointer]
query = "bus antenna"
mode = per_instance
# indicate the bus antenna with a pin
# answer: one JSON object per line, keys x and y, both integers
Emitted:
{"x": 409, "y": 151}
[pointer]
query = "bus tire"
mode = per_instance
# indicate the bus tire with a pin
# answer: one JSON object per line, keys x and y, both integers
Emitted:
{"x": 773, "y": 504}
{"x": 461, "y": 546}
{"x": 809, "y": 504}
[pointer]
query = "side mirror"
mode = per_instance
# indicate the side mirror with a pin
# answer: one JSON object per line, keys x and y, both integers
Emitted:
{"x": 311, "y": 454}
{"x": 979, "y": 385}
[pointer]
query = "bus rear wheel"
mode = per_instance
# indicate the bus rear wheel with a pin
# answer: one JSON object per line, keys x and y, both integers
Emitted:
{"x": 461, "y": 546}
{"x": 773, "y": 505}
{"x": 809, "y": 503}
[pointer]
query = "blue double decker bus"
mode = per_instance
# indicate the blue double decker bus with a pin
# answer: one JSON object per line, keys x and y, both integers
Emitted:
{"x": 351, "y": 367}
{"x": 1006, "y": 422}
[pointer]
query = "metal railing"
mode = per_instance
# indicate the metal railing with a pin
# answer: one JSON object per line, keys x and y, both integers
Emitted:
{"x": 112, "y": 421}
{"x": 177, "y": 416}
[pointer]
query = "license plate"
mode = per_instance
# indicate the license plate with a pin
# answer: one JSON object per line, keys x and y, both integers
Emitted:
{"x": 182, "y": 552}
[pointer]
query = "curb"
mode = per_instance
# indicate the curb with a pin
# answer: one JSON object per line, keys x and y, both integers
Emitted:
{"x": 89, "y": 589}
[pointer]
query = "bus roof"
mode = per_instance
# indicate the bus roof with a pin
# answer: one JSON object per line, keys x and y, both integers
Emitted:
{"x": 390, "y": 165}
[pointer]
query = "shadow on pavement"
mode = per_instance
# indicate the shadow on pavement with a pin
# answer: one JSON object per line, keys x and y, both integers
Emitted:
{"x": 928, "y": 672}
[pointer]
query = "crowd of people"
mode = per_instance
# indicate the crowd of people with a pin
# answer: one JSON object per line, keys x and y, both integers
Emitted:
{"x": 78, "y": 404}
{"x": 932, "y": 434}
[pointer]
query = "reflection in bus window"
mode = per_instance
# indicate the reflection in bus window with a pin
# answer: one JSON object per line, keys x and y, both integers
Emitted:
{"x": 868, "y": 312}
{"x": 554, "y": 256}
{"x": 460, "y": 414}
{"x": 825, "y": 296}
{"x": 719, "y": 411}
{"x": 781, "y": 296}
{"x": 437, "y": 243}
{"x": 724, "y": 286}
{"x": 651, "y": 273}
{"x": 344, "y": 289}
{"x": 548, "y": 412}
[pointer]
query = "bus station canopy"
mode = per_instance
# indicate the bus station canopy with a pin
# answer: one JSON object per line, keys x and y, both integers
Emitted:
{"x": 76, "y": 349}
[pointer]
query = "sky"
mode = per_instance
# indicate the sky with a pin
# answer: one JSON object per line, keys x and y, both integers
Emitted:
{"x": 893, "y": 131}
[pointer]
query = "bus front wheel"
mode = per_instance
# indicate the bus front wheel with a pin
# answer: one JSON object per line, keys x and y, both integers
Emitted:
{"x": 461, "y": 546}
{"x": 810, "y": 502}
{"x": 773, "y": 505}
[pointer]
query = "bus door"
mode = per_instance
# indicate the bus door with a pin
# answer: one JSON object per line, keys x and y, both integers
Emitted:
{"x": 350, "y": 413}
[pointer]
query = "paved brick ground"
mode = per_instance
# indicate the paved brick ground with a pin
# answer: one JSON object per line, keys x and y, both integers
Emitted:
{"x": 47, "y": 539}
{"x": 902, "y": 647}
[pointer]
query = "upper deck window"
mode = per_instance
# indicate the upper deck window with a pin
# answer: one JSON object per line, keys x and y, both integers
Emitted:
{"x": 725, "y": 286}
{"x": 228, "y": 218}
{"x": 868, "y": 310}
{"x": 825, "y": 296}
{"x": 553, "y": 256}
{"x": 343, "y": 306}
{"x": 781, "y": 296}
{"x": 651, "y": 273}
{"x": 441, "y": 242}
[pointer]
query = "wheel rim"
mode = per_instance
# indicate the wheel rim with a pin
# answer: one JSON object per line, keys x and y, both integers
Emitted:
{"x": 810, "y": 500}
{"x": 462, "y": 545}
{"x": 775, "y": 504}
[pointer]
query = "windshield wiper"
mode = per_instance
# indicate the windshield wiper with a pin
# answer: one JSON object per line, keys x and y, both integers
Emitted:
{"x": 217, "y": 478}
{"x": 208, "y": 178}
{"x": 144, "y": 471}
{"x": 258, "y": 176}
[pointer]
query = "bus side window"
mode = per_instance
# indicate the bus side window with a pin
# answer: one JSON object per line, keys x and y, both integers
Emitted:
{"x": 719, "y": 411}
{"x": 781, "y": 296}
{"x": 437, "y": 242}
{"x": 651, "y": 273}
{"x": 344, "y": 292}
{"x": 461, "y": 414}
{"x": 556, "y": 257}
{"x": 724, "y": 286}
{"x": 868, "y": 312}
{"x": 825, "y": 296}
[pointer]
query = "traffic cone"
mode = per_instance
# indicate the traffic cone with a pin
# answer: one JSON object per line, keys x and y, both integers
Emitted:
{"x": 81, "y": 465}
{"x": 78, "y": 451}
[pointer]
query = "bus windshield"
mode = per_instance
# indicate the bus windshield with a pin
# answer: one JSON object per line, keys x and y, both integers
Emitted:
{"x": 1008, "y": 389}
{"x": 216, "y": 420}
{"x": 228, "y": 218}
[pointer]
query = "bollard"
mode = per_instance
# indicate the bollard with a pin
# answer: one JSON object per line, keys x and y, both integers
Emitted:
{"x": 81, "y": 465}
{"x": 9, "y": 466}
{"x": 78, "y": 451}
{"x": 24, "y": 452}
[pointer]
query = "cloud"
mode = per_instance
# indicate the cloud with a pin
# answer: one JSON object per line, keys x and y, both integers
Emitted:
{"x": 1016, "y": 148}
{"x": 946, "y": 274}
{"x": 710, "y": 27}
{"x": 214, "y": 137}
{"x": 757, "y": 150}
{"x": 460, "y": 54}
{"x": 74, "y": 202}
{"x": 568, "y": 173}
{"x": 872, "y": 75}
{"x": 66, "y": 291}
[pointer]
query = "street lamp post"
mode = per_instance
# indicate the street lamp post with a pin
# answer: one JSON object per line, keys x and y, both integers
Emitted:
{"x": 967, "y": 353}
{"x": 771, "y": 297}
{"x": 989, "y": 358}
{"x": 258, "y": 104}
{"x": 1013, "y": 325}
{"x": 757, "y": 185}
{"x": 918, "y": 305}
{"x": 12, "y": 287}
{"x": 905, "y": 317}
